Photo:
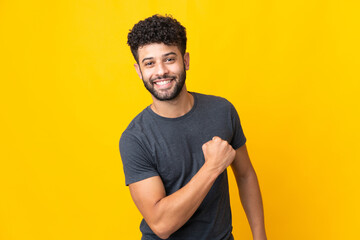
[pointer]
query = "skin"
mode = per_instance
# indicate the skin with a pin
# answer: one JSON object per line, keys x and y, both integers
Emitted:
{"x": 166, "y": 214}
{"x": 157, "y": 60}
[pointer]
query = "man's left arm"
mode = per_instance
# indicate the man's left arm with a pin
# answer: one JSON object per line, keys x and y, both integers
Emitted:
{"x": 249, "y": 192}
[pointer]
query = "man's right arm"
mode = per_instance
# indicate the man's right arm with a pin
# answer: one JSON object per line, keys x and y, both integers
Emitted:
{"x": 166, "y": 214}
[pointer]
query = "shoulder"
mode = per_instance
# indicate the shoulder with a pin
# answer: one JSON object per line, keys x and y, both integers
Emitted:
{"x": 209, "y": 98}
{"x": 137, "y": 126}
{"x": 213, "y": 102}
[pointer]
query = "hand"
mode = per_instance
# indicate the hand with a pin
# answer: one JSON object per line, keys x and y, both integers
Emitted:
{"x": 218, "y": 154}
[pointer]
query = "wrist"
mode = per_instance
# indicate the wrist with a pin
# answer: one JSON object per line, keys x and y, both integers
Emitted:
{"x": 211, "y": 171}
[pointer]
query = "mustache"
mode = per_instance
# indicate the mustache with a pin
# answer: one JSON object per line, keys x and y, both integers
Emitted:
{"x": 162, "y": 77}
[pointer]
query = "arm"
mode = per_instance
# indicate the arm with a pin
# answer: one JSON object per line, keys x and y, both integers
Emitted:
{"x": 166, "y": 214}
{"x": 249, "y": 192}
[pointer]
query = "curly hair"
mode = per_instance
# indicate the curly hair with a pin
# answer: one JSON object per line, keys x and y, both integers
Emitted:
{"x": 157, "y": 29}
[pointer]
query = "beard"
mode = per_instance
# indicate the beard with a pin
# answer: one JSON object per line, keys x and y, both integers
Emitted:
{"x": 170, "y": 94}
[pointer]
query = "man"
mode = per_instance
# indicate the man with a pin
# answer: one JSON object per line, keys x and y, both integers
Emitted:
{"x": 176, "y": 151}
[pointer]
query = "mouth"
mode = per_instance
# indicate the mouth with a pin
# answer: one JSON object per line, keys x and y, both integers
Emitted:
{"x": 163, "y": 83}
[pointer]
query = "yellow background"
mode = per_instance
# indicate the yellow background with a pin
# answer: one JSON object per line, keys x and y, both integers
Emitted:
{"x": 68, "y": 89}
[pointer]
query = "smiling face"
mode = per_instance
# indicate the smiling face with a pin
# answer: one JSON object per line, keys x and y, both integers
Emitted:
{"x": 162, "y": 69}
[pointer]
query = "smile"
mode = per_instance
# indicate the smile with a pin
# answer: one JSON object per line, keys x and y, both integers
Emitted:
{"x": 162, "y": 82}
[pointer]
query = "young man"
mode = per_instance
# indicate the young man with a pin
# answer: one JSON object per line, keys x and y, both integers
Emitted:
{"x": 176, "y": 151}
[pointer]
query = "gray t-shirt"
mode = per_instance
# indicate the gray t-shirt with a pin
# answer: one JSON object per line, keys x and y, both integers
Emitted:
{"x": 171, "y": 148}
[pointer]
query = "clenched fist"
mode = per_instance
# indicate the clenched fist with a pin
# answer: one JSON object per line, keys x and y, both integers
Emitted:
{"x": 218, "y": 154}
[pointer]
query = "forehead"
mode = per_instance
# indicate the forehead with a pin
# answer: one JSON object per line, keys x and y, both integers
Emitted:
{"x": 156, "y": 50}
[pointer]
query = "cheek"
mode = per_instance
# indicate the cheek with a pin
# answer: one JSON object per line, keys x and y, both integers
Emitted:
{"x": 145, "y": 75}
{"x": 177, "y": 69}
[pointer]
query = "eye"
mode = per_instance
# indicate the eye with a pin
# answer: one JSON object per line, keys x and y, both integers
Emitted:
{"x": 148, "y": 64}
{"x": 169, "y": 59}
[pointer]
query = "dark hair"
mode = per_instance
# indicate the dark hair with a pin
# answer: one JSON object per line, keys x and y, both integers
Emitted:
{"x": 157, "y": 29}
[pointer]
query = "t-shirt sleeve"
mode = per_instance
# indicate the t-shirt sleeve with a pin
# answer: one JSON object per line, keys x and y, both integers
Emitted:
{"x": 239, "y": 138}
{"x": 136, "y": 160}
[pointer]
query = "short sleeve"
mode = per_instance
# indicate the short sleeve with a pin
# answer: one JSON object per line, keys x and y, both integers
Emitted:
{"x": 239, "y": 138}
{"x": 136, "y": 160}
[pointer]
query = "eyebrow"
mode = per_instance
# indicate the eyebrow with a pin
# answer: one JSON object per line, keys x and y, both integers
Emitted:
{"x": 165, "y": 55}
{"x": 146, "y": 59}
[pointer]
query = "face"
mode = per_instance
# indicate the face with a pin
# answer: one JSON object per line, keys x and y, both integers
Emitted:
{"x": 162, "y": 69}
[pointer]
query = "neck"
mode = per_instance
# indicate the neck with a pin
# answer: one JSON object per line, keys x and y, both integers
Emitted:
{"x": 175, "y": 108}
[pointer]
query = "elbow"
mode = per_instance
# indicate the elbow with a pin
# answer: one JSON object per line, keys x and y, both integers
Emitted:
{"x": 161, "y": 224}
{"x": 249, "y": 174}
{"x": 248, "y": 177}
{"x": 163, "y": 231}
{"x": 163, "y": 235}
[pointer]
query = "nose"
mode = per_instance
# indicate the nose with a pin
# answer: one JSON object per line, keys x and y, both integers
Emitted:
{"x": 161, "y": 69}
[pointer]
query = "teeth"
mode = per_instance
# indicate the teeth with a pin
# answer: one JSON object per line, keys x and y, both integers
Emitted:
{"x": 163, "y": 82}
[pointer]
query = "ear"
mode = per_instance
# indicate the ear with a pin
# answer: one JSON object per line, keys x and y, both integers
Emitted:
{"x": 187, "y": 61}
{"x": 138, "y": 70}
